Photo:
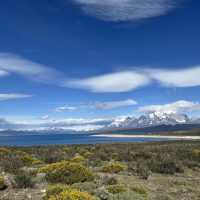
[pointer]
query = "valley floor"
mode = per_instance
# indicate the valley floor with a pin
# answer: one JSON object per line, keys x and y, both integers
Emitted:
{"x": 127, "y": 171}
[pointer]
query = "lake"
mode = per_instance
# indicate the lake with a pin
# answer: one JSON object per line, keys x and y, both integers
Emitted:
{"x": 51, "y": 139}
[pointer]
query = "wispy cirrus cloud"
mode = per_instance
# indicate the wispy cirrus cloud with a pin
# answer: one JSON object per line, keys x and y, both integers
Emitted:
{"x": 45, "y": 117}
{"x": 65, "y": 108}
{"x": 14, "y": 64}
{"x": 13, "y": 96}
{"x": 126, "y": 10}
{"x": 107, "y": 105}
{"x": 114, "y": 82}
{"x": 115, "y": 104}
{"x": 175, "y": 107}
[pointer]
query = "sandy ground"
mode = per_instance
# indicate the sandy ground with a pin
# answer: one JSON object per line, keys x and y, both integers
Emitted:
{"x": 148, "y": 136}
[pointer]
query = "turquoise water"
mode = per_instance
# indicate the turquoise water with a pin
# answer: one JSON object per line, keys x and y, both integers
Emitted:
{"x": 50, "y": 139}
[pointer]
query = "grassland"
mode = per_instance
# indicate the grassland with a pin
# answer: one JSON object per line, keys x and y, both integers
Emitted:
{"x": 129, "y": 171}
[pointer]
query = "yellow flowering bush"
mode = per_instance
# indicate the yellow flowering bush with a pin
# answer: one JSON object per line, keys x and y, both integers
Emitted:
{"x": 196, "y": 152}
{"x": 73, "y": 195}
{"x": 2, "y": 183}
{"x": 78, "y": 158}
{"x": 67, "y": 172}
{"x": 27, "y": 159}
{"x": 54, "y": 190}
{"x": 64, "y": 192}
{"x": 114, "y": 168}
{"x": 4, "y": 150}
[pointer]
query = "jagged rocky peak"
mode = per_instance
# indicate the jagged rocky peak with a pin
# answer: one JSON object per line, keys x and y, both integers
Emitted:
{"x": 150, "y": 119}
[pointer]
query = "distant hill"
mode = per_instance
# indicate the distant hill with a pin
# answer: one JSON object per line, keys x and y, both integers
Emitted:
{"x": 160, "y": 129}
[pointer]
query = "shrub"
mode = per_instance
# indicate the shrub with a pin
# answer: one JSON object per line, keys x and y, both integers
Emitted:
{"x": 11, "y": 163}
{"x": 87, "y": 154}
{"x": 51, "y": 155}
{"x": 29, "y": 160}
{"x": 23, "y": 180}
{"x": 89, "y": 187}
{"x": 67, "y": 172}
{"x": 4, "y": 151}
{"x": 169, "y": 167}
{"x": 102, "y": 193}
{"x": 66, "y": 149}
{"x": 2, "y": 183}
{"x": 143, "y": 170}
{"x": 54, "y": 190}
{"x": 196, "y": 153}
{"x": 72, "y": 194}
{"x": 116, "y": 189}
{"x": 109, "y": 180}
{"x": 114, "y": 168}
{"x": 78, "y": 158}
{"x": 140, "y": 190}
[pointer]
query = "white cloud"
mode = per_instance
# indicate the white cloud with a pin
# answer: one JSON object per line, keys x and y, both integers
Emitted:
{"x": 125, "y": 81}
{"x": 75, "y": 124}
{"x": 114, "y": 82}
{"x": 126, "y": 10}
{"x": 13, "y": 64}
{"x": 122, "y": 81}
{"x": 115, "y": 104}
{"x": 3, "y": 73}
{"x": 65, "y": 108}
{"x": 5, "y": 97}
{"x": 175, "y": 107}
{"x": 45, "y": 117}
{"x": 178, "y": 78}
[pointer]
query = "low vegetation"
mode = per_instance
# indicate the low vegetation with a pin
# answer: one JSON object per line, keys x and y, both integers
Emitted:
{"x": 131, "y": 171}
{"x": 2, "y": 183}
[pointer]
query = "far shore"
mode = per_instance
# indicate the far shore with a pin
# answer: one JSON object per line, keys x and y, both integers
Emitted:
{"x": 148, "y": 136}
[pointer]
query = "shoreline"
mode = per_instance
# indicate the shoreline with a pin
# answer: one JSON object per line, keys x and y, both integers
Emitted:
{"x": 148, "y": 136}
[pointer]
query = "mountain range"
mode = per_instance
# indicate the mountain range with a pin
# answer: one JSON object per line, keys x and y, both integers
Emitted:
{"x": 162, "y": 120}
{"x": 152, "y": 119}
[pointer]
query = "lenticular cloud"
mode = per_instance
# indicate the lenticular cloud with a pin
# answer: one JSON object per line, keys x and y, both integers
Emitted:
{"x": 126, "y": 10}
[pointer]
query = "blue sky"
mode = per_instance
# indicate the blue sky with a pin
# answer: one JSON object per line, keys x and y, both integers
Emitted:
{"x": 77, "y": 58}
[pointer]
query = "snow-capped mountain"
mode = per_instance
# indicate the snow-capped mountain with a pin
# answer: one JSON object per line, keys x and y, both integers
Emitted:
{"x": 150, "y": 119}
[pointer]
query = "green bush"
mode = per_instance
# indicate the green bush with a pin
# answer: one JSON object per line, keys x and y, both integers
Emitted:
{"x": 51, "y": 155}
{"x": 116, "y": 189}
{"x": 143, "y": 170}
{"x": 89, "y": 187}
{"x": 114, "y": 168}
{"x": 140, "y": 190}
{"x": 109, "y": 180}
{"x": 78, "y": 159}
{"x": 67, "y": 172}
{"x": 23, "y": 180}
{"x": 2, "y": 183}
{"x": 169, "y": 167}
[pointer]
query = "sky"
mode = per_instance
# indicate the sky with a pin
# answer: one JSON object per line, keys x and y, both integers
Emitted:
{"x": 84, "y": 62}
